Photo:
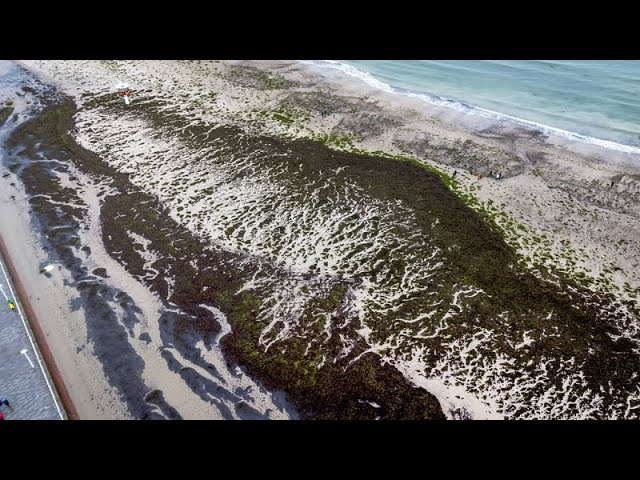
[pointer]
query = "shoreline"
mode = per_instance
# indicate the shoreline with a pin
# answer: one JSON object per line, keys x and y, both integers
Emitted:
{"x": 539, "y": 179}
{"x": 479, "y": 112}
{"x": 563, "y": 174}
{"x": 43, "y": 347}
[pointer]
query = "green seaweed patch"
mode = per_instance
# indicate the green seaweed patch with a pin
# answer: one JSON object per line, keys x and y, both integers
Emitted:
{"x": 253, "y": 77}
{"x": 340, "y": 142}
{"x": 5, "y": 112}
{"x": 282, "y": 118}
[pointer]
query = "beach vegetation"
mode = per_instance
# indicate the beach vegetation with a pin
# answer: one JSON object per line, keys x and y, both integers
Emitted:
{"x": 5, "y": 112}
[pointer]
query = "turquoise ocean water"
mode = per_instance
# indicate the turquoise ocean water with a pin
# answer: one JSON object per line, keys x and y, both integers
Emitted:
{"x": 594, "y": 101}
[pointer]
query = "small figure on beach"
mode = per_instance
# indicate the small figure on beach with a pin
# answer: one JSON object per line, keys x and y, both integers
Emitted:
{"x": 491, "y": 173}
{"x": 455, "y": 172}
{"x": 611, "y": 186}
{"x": 123, "y": 91}
{"x": 12, "y": 306}
{"x": 1, "y": 416}
{"x": 4, "y": 401}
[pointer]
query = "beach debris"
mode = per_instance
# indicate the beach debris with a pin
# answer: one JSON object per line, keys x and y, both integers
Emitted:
{"x": 123, "y": 91}
{"x": 46, "y": 268}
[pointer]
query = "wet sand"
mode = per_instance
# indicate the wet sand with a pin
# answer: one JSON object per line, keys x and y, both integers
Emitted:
{"x": 62, "y": 328}
{"x": 61, "y": 393}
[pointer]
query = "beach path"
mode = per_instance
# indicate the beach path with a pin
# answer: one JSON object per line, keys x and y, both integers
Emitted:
{"x": 24, "y": 380}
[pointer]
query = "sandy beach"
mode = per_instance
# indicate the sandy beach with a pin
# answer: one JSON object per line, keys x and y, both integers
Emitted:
{"x": 79, "y": 351}
{"x": 215, "y": 151}
{"x": 560, "y": 178}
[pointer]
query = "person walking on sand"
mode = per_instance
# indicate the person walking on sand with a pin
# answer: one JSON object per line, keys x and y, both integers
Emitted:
{"x": 455, "y": 172}
{"x": 4, "y": 401}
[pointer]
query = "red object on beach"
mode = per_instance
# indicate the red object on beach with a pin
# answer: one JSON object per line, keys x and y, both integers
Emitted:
{"x": 1, "y": 416}
{"x": 122, "y": 90}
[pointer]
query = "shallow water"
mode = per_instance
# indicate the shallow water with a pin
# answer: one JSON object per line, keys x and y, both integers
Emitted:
{"x": 594, "y": 99}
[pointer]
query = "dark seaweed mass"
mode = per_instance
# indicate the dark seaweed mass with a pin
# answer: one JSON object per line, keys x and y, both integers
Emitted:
{"x": 208, "y": 275}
